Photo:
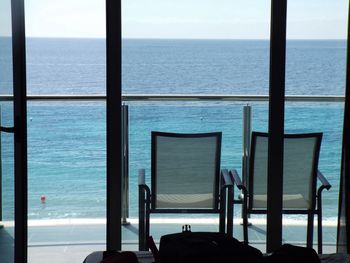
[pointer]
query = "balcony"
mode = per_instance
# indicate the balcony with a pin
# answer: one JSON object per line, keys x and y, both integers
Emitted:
{"x": 67, "y": 156}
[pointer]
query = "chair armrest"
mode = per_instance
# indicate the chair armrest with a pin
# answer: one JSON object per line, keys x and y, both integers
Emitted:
{"x": 237, "y": 180}
{"x": 323, "y": 180}
{"x": 226, "y": 178}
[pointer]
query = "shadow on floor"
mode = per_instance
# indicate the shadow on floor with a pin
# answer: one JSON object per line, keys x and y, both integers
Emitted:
{"x": 131, "y": 228}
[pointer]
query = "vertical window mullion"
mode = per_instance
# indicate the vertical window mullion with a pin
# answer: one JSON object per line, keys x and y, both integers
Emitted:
{"x": 276, "y": 123}
{"x": 114, "y": 130}
{"x": 20, "y": 130}
{"x": 343, "y": 231}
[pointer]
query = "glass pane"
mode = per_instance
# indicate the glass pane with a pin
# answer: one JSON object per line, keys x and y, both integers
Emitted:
{"x": 67, "y": 188}
{"x": 66, "y": 139}
{"x": 62, "y": 66}
{"x": 201, "y": 48}
{"x": 316, "y": 57}
{"x": 6, "y": 139}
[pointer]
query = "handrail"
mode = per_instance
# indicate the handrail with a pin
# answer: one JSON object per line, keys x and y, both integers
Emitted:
{"x": 178, "y": 97}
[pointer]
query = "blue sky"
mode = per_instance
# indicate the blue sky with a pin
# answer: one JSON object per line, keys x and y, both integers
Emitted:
{"x": 232, "y": 19}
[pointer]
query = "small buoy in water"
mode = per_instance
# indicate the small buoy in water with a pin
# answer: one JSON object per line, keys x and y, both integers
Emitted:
{"x": 43, "y": 198}
{"x": 30, "y": 118}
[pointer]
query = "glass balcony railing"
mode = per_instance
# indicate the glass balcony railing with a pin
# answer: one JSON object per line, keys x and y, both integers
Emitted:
{"x": 67, "y": 147}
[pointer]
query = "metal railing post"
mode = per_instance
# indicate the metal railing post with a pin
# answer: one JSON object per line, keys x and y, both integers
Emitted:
{"x": 246, "y": 137}
{"x": 125, "y": 164}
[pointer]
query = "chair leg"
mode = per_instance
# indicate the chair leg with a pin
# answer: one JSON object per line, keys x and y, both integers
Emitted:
{"x": 245, "y": 230}
{"x": 142, "y": 216}
{"x": 222, "y": 211}
{"x": 230, "y": 208}
{"x": 319, "y": 225}
{"x": 310, "y": 229}
{"x": 319, "y": 233}
{"x": 147, "y": 227}
{"x": 245, "y": 220}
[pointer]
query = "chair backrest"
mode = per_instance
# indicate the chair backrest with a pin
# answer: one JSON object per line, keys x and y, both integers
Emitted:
{"x": 301, "y": 154}
{"x": 185, "y": 170}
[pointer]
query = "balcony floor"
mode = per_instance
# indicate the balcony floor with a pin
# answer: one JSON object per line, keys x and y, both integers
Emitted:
{"x": 72, "y": 242}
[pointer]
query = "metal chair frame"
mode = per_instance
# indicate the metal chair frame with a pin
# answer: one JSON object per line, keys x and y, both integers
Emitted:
{"x": 316, "y": 202}
{"x": 223, "y": 193}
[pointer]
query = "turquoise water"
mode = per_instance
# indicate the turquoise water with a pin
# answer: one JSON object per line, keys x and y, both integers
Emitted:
{"x": 66, "y": 140}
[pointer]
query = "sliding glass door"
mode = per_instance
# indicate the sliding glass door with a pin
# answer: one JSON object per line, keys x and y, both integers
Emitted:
{"x": 13, "y": 162}
{"x": 6, "y": 137}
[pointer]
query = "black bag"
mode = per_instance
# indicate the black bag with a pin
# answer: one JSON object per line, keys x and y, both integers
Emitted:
{"x": 208, "y": 247}
{"x": 293, "y": 254}
{"x": 111, "y": 257}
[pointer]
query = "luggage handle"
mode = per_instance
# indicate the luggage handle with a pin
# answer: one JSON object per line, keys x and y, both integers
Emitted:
{"x": 186, "y": 228}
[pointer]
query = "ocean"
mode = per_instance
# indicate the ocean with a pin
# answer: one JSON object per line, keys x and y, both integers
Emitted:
{"x": 66, "y": 140}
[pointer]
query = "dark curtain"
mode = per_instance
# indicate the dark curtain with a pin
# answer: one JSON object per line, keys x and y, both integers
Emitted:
{"x": 343, "y": 235}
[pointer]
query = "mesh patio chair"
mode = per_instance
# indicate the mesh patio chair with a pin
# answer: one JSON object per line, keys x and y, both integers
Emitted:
{"x": 185, "y": 178}
{"x": 300, "y": 174}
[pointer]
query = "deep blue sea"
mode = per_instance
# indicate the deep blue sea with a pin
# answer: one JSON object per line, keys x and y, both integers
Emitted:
{"x": 66, "y": 140}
